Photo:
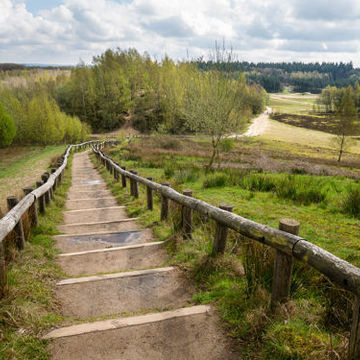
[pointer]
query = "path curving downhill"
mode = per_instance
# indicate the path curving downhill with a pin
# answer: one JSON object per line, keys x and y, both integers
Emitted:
{"x": 119, "y": 301}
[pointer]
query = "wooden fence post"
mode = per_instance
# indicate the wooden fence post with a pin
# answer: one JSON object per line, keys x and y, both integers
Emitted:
{"x": 41, "y": 199}
{"x": 55, "y": 181}
{"x": 186, "y": 216}
{"x": 283, "y": 266}
{"x": 3, "y": 273}
{"x": 221, "y": 233}
{"x": 33, "y": 211}
{"x": 164, "y": 204}
{"x": 18, "y": 229}
{"x": 354, "y": 343}
{"x": 134, "y": 188}
{"x": 123, "y": 178}
{"x": 149, "y": 196}
{"x": 44, "y": 178}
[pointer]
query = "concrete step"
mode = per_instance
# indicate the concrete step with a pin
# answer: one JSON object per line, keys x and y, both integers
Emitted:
{"x": 88, "y": 181}
{"x": 113, "y": 259}
{"x": 75, "y": 195}
{"x": 95, "y": 215}
{"x": 72, "y": 243}
{"x": 90, "y": 203}
{"x": 191, "y": 333}
{"x": 97, "y": 227}
{"x": 123, "y": 292}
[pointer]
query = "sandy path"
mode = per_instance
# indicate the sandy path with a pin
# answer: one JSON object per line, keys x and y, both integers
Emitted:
{"x": 258, "y": 125}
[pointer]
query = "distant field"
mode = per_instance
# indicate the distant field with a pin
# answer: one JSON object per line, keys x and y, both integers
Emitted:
{"x": 22, "y": 166}
{"x": 292, "y": 103}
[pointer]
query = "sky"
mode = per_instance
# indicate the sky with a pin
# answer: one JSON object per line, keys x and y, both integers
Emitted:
{"x": 67, "y": 31}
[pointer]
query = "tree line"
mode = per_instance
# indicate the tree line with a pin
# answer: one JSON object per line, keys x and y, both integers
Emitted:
{"x": 29, "y": 114}
{"x": 123, "y": 86}
{"x": 301, "y": 77}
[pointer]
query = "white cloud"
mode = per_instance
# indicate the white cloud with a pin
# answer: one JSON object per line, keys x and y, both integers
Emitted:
{"x": 261, "y": 30}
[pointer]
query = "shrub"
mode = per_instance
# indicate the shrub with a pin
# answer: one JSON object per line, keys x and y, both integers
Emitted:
{"x": 7, "y": 128}
{"x": 351, "y": 202}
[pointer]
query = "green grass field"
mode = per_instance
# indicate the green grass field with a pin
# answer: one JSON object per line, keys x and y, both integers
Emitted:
{"x": 22, "y": 166}
{"x": 292, "y": 103}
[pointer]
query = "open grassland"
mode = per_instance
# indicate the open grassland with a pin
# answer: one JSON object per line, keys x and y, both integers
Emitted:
{"x": 292, "y": 103}
{"x": 315, "y": 323}
{"x": 22, "y": 166}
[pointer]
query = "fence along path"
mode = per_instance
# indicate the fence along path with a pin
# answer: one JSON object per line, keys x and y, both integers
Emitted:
{"x": 33, "y": 201}
{"x": 115, "y": 269}
{"x": 285, "y": 241}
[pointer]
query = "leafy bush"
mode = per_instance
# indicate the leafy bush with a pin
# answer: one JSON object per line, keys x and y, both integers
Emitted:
{"x": 7, "y": 128}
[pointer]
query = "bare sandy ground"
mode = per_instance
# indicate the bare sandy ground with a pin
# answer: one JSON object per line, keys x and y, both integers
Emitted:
{"x": 258, "y": 126}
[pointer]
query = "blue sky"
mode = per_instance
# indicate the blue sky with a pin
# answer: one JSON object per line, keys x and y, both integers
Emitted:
{"x": 63, "y": 32}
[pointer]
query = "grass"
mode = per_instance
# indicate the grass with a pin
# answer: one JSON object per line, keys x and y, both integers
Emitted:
{"x": 29, "y": 307}
{"x": 292, "y": 103}
{"x": 315, "y": 323}
{"x": 20, "y": 166}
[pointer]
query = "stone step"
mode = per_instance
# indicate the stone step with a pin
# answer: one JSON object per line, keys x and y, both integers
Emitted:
{"x": 96, "y": 227}
{"x": 95, "y": 215}
{"x": 191, "y": 333}
{"x": 90, "y": 203}
{"x": 88, "y": 181}
{"x": 66, "y": 243}
{"x": 123, "y": 292}
{"x": 114, "y": 259}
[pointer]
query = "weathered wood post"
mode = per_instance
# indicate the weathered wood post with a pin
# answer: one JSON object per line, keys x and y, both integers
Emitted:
{"x": 354, "y": 343}
{"x": 186, "y": 216}
{"x": 41, "y": 199}
{"x": 44, "y": 178}
{"x": 221, "y": 233}
{"x": 33, "y": 211}
{"x": 283, "y": 266}
{"x": 116, "y": 173}
{"x": 149, "y": 196}
{"x": 164, "y": 204}
{"x": 134, "y": 188}
{"x": 18, "y": 229}
{"x": 3, "y": 273}
{"x": 55, "y": 181}
{"x": 123, "y": 178}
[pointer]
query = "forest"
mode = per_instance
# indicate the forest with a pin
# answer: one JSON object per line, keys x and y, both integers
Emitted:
{"x": 300, "y": 77}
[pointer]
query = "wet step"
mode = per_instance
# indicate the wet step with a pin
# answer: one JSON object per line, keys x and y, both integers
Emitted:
{"x": 94, "y": 215}
{"x": 67, "y": 244}
{"x": 123, "y": 292}
{"x": 90, "y": 203}
{"x": 97, "y": 227}
{"x": 88, "y": 194}
{"x": 113, "y": 259}
{"x": 191, "y": 333}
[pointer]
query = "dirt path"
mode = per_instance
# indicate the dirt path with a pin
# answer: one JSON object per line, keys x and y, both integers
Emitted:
{"x": 258, "y": 125}
{"x": 115, "y": 272}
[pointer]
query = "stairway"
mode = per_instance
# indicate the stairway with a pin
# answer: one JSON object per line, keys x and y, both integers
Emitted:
{"x": 124, "y": 302}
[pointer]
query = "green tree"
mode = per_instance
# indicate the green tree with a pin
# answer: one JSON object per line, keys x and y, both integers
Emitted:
{"x": 7, "y": 128}
{"x": 347, "y": 121}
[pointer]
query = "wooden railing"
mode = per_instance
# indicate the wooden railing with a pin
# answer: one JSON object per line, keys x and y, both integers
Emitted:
{"x": 44, "y": 193}
{"x": 285, "y": 241}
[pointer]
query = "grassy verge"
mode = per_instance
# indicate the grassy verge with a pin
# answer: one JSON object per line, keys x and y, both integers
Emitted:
{"x": 30, "y": 307}
{"x": 315, "y": 323}
{"x": 19, "y": 166}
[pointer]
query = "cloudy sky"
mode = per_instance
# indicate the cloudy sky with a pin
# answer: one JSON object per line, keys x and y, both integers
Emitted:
{"x": 64, "y": 31}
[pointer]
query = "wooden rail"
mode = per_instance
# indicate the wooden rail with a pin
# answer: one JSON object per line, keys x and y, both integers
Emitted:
{"x": 285, "y": 241}
{"x": 12, "y": 221}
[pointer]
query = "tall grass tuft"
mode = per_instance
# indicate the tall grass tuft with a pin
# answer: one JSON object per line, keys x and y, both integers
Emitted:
{"x": 351, "y": 202}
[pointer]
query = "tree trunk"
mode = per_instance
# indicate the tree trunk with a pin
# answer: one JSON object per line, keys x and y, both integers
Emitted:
{"x": 341, "y": 147}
